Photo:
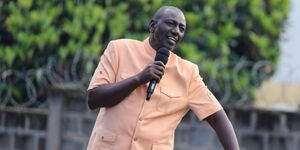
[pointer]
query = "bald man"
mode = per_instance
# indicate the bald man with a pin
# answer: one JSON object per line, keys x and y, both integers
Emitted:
{"x": 127, "y": 121}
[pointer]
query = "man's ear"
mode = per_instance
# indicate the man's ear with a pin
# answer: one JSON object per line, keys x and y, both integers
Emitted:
{"x": 152, "y": 26}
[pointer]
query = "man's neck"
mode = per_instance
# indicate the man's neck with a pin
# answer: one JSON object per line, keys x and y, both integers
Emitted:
{"x": 153, "y": 43}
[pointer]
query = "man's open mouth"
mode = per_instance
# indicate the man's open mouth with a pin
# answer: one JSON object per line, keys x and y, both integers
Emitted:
{"x": 172, "y": 39}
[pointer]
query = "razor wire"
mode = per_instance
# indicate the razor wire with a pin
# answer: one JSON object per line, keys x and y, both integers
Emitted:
{"x": 35, "y": 82}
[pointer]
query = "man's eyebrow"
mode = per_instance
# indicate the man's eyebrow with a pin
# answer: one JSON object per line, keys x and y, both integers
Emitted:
{"x": 169, "y": 19}
{"x": 181, "y": 24}
{"x": 173, "y": 20}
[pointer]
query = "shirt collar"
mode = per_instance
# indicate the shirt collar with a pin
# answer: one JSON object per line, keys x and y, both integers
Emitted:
{"x": 151, "y": 51}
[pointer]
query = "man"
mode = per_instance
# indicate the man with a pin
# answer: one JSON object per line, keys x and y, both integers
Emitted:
{"x": 126, "y": 120}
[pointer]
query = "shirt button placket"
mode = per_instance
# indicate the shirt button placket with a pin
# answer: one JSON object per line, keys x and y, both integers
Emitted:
{"x": 141, "y": 119}
{"x": 136, "y": 132}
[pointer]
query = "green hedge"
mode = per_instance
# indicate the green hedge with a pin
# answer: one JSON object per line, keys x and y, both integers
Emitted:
{"x": 218, "y": 33}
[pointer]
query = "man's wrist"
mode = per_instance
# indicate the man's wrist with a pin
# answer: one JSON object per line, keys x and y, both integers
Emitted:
{"x": 137, "y": 80}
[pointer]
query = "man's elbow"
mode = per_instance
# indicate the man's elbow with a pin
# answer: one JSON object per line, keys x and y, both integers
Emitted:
{"x": 91, "y": 100}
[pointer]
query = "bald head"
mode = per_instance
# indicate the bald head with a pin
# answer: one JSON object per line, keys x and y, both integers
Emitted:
{"x": 166, "y": 9}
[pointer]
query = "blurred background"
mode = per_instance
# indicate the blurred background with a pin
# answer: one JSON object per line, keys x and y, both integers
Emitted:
{"x": 246, "y": 50}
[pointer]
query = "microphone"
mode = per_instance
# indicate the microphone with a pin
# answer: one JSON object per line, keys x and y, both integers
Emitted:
{"x": 161, "y": 55}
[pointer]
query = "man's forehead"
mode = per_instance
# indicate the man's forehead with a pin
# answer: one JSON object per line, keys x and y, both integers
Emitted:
{"x": 172, "y": 13}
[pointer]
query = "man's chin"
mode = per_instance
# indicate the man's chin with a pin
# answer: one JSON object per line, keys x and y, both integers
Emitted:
{"x": 170, "y": 47}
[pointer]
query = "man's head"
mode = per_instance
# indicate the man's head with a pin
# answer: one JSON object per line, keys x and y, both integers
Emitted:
{"x": 167, "y": 28}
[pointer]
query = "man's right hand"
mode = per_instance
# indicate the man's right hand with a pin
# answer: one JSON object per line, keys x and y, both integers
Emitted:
{"x": 153, "y": 71}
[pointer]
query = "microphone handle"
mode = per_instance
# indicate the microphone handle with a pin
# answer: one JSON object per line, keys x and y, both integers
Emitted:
{"x": 150, "y": 89}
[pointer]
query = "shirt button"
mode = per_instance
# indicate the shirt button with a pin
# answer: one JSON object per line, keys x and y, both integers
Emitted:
{"x": 141, "y": 118}
{"x": 135, "y": 139}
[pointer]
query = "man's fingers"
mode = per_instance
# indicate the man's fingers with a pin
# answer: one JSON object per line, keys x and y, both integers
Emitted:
{"x": 156, "y": 78}
{"x": 159, "y": 66}
{"x": 154, "y": 71}
{"x": 159, "y": 63}
{"x": 159, "y": 73}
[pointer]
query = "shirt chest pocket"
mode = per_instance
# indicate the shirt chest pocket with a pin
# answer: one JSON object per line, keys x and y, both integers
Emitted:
{"x": 170, "y": 101}
{"x": 105, "y": 140}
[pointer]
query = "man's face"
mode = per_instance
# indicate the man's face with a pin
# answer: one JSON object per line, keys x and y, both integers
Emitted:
{"x": 168, "y": 30}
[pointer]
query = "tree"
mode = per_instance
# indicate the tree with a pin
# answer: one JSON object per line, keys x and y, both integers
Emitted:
{"x": 42, "y": 40}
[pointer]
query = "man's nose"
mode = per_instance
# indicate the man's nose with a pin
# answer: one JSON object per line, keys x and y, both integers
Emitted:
{"x": 175, "y": 30}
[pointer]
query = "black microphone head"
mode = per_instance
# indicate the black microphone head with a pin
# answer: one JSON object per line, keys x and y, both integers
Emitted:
{"x": 162, "y": 55}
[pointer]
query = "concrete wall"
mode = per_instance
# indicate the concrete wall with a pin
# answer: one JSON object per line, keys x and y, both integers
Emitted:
{"x": 67, "y": 123}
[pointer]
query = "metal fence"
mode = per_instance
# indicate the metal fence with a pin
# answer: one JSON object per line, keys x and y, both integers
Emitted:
{"x": 35, "y": 82}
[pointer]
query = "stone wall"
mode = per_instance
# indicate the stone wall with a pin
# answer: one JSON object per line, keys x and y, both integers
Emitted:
{"x": 67, "y": 124}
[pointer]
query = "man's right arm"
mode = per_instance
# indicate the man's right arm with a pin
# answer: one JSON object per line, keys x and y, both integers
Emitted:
{"x": 111, "y": 94}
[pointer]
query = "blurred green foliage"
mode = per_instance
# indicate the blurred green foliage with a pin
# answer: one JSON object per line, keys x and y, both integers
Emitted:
{"x": 218, "y": 33}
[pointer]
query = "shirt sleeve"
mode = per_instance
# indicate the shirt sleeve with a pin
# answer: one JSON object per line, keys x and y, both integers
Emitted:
{"x": 105, "y": 72}
{"x": 201, "y": 101}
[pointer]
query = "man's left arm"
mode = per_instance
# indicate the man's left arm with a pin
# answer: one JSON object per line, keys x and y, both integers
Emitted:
{"x": 223, "y": 127}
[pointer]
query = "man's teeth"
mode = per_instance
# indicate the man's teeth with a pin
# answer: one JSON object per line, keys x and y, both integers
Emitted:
{"x": 171, "y": 38}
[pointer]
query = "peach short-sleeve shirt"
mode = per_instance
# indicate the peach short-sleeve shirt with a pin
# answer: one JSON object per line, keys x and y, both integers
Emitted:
{"x": 137, "y": 124}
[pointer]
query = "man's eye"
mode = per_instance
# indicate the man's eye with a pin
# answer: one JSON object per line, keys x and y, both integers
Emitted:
{"x": 182, "y": 29}
{"x": 170, "y": 23}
